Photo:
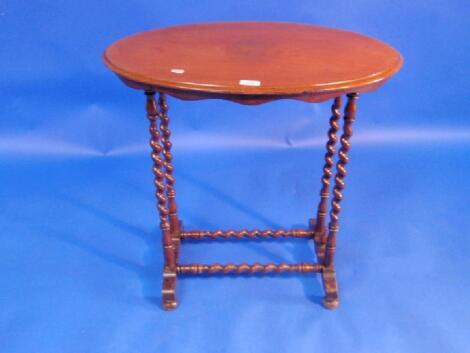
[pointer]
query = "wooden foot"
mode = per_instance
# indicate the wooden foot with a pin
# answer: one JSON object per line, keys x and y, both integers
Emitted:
{"x": 170, "y": 304}
{"x": 331, "y": 300}
{"x": 169, "y": 301}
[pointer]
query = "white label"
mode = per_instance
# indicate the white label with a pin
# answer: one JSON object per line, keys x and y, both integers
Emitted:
{"x": 249, "y": 83}
{"x": 177, "y": 71}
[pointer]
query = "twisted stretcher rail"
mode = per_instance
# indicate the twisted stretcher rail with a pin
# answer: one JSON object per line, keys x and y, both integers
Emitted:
{"x": 244, "y": 233}
{"x": 245, "y": 268}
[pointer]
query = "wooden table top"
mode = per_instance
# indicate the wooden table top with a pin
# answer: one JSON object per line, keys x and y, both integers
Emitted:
{"x": 252, "y": 62}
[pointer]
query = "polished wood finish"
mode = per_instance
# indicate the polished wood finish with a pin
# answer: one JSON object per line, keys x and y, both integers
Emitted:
{"x": 343, "y": 159}
{"x": 329, "y": 277}
{"x": 249, "y": 234}
{"x": 252, "y": 62}
{"x": 320, "y": 229}
{"x": 169, "y": 250}
{"x": 168, "y": 167}
{"x": 245, "y": 268}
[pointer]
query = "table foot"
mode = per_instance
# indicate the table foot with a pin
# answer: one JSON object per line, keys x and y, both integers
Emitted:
{"x": 170, "y": 304}
{"x": 169, "y": 301}
{"x": 331, "y": 300}
{"x": 330, "y": 303}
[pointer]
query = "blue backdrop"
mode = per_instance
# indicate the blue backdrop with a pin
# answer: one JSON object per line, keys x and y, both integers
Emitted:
{"x": 80, "y": 249}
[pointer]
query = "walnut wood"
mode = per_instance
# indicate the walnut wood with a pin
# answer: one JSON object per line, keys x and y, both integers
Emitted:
{"x": 168, "y": 167}
{"x": 279, "y": 60}
{"x": 320, "y": 229}
{"x": 329, "y": 277}
{"x": 169, "y": 270}
{"x": 255, "y": 233}
{"x": 256, "y": 268}
{"x": 349, "y": 117}
{"x": 289, "y": 60}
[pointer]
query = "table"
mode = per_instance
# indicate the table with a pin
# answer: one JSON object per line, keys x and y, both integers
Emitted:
{"x": 252, "y": 63}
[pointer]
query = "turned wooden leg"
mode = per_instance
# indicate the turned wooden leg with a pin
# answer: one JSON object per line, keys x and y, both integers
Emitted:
{"x": 329, "y": 277}
{"x": 168, "y": 167}
{"x": 169, "y": 254}
{"x": 320, "y": 225}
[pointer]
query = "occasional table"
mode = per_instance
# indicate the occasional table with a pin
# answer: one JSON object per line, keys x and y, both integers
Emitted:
{"x": 252, "y": 63}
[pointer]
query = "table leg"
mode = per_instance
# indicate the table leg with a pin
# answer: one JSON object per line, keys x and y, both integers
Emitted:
{"x": 175, "y": 228}
{"x": 328, "y": 275}
{"x": 320, "y": 225}
{"x": 325, "y": 239}
{"x": 169, "y": 270}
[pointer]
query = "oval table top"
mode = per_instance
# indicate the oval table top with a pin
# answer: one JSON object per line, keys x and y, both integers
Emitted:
{"x": 252, "y": 62}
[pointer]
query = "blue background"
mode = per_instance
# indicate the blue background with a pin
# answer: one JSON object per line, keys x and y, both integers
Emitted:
{"x": 80, "y": 253}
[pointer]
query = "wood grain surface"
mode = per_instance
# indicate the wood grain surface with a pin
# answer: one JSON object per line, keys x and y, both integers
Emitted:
{"x": 252, "y": 62}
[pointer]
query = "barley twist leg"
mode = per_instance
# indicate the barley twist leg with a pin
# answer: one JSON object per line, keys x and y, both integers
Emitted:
{"x": 329, "y": 277}
{"x": 169, "y": 269}
{"x": 168, "y": 166}
{"x": 320, "y": 226}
